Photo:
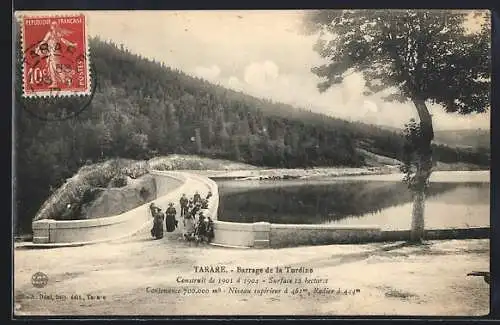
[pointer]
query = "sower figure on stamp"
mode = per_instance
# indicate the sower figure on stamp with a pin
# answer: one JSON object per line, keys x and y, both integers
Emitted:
{"x": 50, "y": 47}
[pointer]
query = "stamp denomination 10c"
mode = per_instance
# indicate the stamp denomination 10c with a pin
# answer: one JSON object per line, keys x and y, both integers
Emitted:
{"x": 55, "y": 56}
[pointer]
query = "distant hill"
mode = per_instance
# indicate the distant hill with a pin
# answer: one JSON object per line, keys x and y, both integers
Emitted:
{"x": 463, "y": 138}
{"x": 466, "y": 138}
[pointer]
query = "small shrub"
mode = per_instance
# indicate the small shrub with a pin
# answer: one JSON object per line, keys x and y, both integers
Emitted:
{"x": 118, "y": 181}
{"x": 90, "y": 195}
{"x": 144, "y": 193}
{"x": 70, "y": 213}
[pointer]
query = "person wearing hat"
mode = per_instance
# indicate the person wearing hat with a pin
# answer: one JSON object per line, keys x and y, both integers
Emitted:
{"x": 196, "y": 197}
{"x": 200, "y": 227}
{"x": 153, "y": 210}
{"x": 196, "y": 208}
{"x": 170, "y": 214}
{"x": 190, "y": 209}
{"x": 157, "y": 231}
{"x": 184, "y": 205}
{"x": 204, "y": 203}
{"x": 189, "y": 225}
{"x": 205, "y": 229}
{"x": 209, "y": 229}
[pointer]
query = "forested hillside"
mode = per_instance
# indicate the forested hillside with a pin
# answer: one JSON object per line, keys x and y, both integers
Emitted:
{"x": 142, "y": 109}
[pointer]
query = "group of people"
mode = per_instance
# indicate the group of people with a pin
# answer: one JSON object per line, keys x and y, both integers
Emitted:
{"x": 198, "y": 225}
{"x": 158, "y": 217}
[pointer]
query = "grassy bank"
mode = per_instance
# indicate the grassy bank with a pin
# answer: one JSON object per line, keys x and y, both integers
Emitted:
{"x": 85, "y": 186}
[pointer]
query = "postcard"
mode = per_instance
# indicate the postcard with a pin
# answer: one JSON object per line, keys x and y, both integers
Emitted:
{"x": 284, "y": 162}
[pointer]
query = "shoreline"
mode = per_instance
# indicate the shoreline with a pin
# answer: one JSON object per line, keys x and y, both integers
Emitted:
{"x": 295, "y": 173}
{"x": 391, "y": 173}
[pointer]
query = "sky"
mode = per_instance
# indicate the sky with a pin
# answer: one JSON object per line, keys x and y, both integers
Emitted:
{"x": 261, "y": 53}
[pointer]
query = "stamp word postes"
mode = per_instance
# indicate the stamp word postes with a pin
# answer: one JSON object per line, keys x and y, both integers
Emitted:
{"x": 55, "y": 61}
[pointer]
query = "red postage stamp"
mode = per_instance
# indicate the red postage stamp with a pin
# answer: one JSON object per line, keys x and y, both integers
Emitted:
{"x": 55, "y": 55}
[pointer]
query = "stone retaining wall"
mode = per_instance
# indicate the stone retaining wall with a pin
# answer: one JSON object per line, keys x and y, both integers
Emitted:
{"x": 439, "y": 234}
{"x": 48, "y": 231}
{"x": 299, "y": 235}
{"x": 268, "y": 235}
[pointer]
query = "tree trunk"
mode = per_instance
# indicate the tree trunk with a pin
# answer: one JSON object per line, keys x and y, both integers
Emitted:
{"x": 417, "y": 220}
{"x": 423, "y": 172}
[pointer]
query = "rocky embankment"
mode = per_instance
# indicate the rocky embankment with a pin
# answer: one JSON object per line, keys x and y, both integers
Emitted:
{"x": 116, "y": 200}
{"x": 300, "y": 173}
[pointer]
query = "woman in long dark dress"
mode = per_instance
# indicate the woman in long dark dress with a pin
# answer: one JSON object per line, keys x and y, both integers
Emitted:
{"x": 170, "y": 221}
{"x": 154, "y": 210}
{"x": 158, "y": 224}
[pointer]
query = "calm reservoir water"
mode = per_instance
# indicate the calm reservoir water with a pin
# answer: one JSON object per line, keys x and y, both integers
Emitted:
{"x": 384, "y": 202}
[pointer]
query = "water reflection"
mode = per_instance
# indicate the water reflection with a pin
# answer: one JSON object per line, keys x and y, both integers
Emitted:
{"x": 383, "y": 203}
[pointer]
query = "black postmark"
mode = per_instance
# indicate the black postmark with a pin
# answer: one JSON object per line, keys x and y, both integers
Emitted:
{"x": 39, "y": 279}
{"x": 52, "y": 106}
{"x": 62, "y": 62}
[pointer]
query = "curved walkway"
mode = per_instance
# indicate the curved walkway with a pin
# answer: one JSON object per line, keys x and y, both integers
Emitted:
{"x": 392, "y": 279}
{"x": 140, "y": 217}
